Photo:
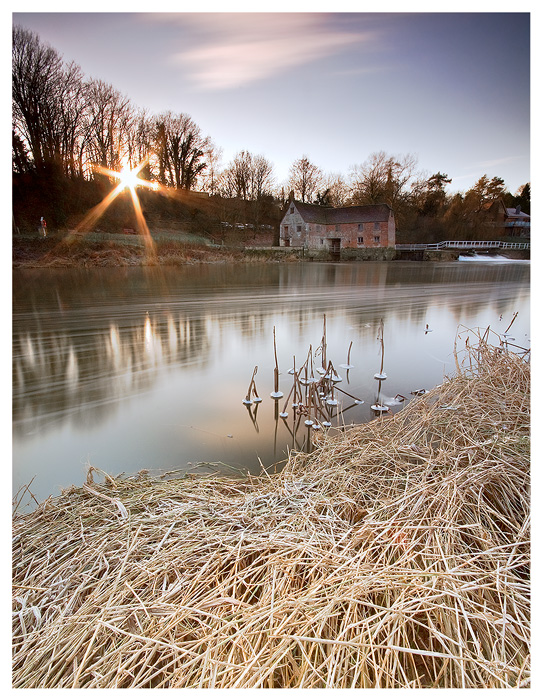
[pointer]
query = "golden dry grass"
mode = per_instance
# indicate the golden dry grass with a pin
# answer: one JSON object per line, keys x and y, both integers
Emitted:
{"x": 396, "y": 555}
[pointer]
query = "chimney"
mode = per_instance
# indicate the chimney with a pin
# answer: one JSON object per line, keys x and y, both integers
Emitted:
{"x": 518, "y": 209}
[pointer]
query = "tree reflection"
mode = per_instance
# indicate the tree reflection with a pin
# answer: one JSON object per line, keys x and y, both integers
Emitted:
{"x": 82, "y": 343}
{"x": 57, "y": 374}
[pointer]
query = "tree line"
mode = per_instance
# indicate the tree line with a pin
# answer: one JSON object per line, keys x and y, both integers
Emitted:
{"x": 64, "y": 125}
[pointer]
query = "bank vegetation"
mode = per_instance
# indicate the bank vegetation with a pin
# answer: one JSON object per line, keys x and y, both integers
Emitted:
{"x": 395, "y": 555}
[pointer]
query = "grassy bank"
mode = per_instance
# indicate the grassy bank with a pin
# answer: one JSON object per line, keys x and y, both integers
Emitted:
{"x": 121, "y": 251}
{"x": 395, "y": 555}
{"x": 126, "y": 250}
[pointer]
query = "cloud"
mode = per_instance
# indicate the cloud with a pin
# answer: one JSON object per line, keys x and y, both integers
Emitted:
{"x": 497, "y": 161}
{"x": 233, "y": 50}
{"x": 489, "y": 166}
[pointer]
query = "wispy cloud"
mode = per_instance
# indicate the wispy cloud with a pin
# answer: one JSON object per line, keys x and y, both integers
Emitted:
{"x": 488, "y": 166}
{"x": 235, "y": 49}
{"x": 497, "y": 161}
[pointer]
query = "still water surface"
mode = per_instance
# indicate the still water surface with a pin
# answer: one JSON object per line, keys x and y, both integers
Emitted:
{"x": 146, "y": 368}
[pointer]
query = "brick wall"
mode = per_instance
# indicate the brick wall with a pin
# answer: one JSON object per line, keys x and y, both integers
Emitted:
{"x": 296, "y": 233}
{"x": 369, "y": 235}
{"x": 293, "y": 228}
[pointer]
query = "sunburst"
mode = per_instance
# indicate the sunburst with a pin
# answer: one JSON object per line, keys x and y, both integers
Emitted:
{"x": 128, "y": 179}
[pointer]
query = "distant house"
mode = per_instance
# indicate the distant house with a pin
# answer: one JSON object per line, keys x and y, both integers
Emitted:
{"x": 517, "y": 223}
{"x": 508, "y": 221}
{"x": 332, "y": 228}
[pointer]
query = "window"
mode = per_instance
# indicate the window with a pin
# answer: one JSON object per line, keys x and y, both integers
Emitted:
{"x": 337, "y": 227}
{"x": 360, "y": 227}
{"x": 377, "y": 226}
{"x": 321, "y": 241}
{"x": 360, "y": 240}
{"x": 286, "y": 230}
{"x": 299, "y": 229}
{"x": 377, "y": 239}
{"x": 291, "y": 210}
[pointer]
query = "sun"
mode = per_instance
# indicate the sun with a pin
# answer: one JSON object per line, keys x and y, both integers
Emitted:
{"x": 128, "y": 178}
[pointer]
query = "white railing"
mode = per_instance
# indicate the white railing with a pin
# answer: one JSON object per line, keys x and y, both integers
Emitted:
{"x": 463, "y": 245}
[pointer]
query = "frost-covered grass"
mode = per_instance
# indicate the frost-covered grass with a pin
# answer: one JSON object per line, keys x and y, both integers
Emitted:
{"x": 395, "y": 555}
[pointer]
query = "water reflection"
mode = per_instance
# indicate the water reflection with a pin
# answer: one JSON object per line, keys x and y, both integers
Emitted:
{"x": 57, "y": 372}
{"x": 147, "y": 368}
{"x": 61, "y": 373}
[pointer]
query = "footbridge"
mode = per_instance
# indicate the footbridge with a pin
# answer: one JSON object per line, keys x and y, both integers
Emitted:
{"x": 463, "y": 245}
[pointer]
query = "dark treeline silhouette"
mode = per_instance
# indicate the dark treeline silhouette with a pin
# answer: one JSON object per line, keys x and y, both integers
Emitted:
{"x": 65, "y": 125}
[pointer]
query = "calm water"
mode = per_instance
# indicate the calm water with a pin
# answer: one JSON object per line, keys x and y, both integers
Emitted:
{"x": 130, "y": 369}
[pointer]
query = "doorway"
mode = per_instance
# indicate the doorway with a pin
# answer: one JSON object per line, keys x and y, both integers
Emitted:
{"x": 335, "y": 248}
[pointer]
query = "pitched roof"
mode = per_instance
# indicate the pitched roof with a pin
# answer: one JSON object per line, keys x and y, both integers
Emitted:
{"x": 513, "y": 213}
{"x": 313, "y": 213}
{"x": 493, "y": 204}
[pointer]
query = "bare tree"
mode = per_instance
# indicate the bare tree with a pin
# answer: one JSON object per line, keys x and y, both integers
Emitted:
{"x": 209, "y": 179}
{"x": 305, "y": 179}
{"x": 338, "y": 190}
{"x": 369, "y": 179}
{"x": 235, "y": 180}
{"x": 249, "y": 177}
{"x": 262, "y": 177}
{"x": 73, "y": 105}
{"x": 180, "y": 149}
{"x": 384, "y": 179}
{"x": 139, "y": 137}
{"x": 399, "y": 175}
{"x": 41, "y": 90}
{"x": 108, "y": 122}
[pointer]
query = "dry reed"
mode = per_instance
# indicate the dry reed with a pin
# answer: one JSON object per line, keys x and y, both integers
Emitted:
{"x": 396, "y": 555}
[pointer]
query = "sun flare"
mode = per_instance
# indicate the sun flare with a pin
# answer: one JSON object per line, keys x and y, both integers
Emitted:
{"x": 128, "y": 179}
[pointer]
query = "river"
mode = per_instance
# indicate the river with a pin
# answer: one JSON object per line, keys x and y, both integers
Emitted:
{"x": 146, "y": 368}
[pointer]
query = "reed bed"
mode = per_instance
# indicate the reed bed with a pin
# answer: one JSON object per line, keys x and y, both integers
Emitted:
{"x": 395, "y": 555}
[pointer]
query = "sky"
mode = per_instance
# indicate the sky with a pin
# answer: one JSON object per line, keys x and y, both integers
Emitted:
{"x": 450, "y": 88}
